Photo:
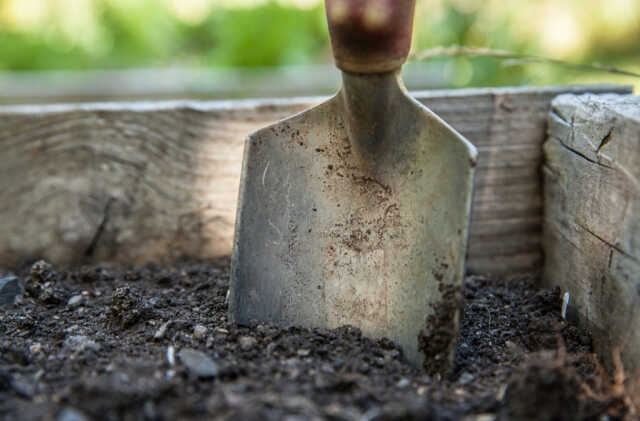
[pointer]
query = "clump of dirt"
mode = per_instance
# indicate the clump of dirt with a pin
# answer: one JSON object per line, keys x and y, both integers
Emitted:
{"x": 42, "y": 284}
{"x": 128, "y": 307}
{"x": 154, "y": 343}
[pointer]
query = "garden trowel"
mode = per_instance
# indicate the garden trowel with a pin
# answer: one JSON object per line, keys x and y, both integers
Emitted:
{"x": 356, "y": 212}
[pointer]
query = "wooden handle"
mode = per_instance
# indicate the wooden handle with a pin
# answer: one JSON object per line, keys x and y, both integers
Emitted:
{"x": 370, "y": 36}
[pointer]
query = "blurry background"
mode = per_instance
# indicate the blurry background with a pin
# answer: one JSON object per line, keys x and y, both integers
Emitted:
{"x": 137, "y": 49}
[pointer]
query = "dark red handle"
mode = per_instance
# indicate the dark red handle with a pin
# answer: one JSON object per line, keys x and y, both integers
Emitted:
{"x": 370, "y": 36}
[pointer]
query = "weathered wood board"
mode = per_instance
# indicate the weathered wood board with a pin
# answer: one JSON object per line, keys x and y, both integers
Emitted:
{"x": 158, "y": 181}
{"x": 592, "y": 217}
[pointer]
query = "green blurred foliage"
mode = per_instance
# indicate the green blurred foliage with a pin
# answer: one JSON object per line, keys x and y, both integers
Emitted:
{"x": 457, "y": 27}
{"x": 148, "y": 33}
{"x": 256, "y": 37}
{"x": 144, "y": 33}
{"x": 33, "y": 52}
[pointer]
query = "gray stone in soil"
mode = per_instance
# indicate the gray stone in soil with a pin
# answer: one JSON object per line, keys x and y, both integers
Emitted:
{"x": 75, "y": 301}
{"x": 199, "y": 332}
{"x": 10, "y": 289}
{"x": 304, "y": 352}
{"x": 162, "y": 330}
{"x": 247, "y": 342}
{"x": 198, "y": 363}
{"x": 403, "y": 383}
{"x": 24, "y": 386}
{"x": 71, "y": 414}
{"x": 466, "y": 378}
{"x": 81, "y": 343}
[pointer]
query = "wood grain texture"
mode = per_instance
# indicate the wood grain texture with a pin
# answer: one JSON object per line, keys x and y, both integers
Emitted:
{"x": 158, "y": 181}
{"x": 592, "y": 217}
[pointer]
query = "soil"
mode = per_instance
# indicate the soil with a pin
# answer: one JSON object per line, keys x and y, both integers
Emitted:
{"x": 438, "y": 339}
{"x": 111, "y": 342}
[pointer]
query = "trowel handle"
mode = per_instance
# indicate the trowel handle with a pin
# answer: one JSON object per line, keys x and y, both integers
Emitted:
{"x": 370, "y": 36}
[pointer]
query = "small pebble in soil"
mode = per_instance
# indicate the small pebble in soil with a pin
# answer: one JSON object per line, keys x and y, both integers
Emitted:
{"x": 80, "y": 343}
{"x": 10, "y": 289}
{"x": 23, "y": 385}
{"x": 171, "y": 355}
{"x": 271, "y": 348}
{"x": 484, "y": 417}
{"x": 75, "y": 301}
{"x": 162, "y": 330}
{"x": 198, "y": 363}
{"x": 466, "y": 378}
{"x": 199, "y": 332}
{"x": 403, "y": 383}
{"x": 247, "y": 342}
{"x": 35, "y": 348}
{"x": 71, "y": 414}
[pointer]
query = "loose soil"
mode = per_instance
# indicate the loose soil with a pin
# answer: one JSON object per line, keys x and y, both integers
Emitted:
{"x": 112, "y": 342}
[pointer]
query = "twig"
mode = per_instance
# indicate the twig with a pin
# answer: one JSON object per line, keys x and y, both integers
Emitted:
{"x": 512, "y": 58}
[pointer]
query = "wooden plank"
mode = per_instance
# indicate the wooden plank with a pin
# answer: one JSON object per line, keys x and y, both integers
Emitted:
{"x": 507, "y": 176}
{"x": 505, "y": 245}
{"x": 501, "y": 209}
{"x": 592, "y": 217}
{"x": 520, "y": 263}
{"x": 158, "y": 181}
{"x": 508, "y": 126}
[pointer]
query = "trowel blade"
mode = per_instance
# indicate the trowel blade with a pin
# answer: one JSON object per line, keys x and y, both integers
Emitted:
{"x": 327, "y": 235}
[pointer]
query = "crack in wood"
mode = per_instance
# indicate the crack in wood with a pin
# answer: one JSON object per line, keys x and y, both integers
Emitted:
{"x": 580, "y": 154}
{"x": 613, "y": 246}
{"x": 100, "y": 230}
{"x": 564, "y": 235}
{"x": 610, "y": 258}
{"x": 556, "y": 113}
{"x": 605, "y": 140}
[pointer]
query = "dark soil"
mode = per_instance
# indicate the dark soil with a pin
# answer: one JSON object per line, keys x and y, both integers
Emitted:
{"x": 438, "y": 338}
{"x": 153, "y": 343}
